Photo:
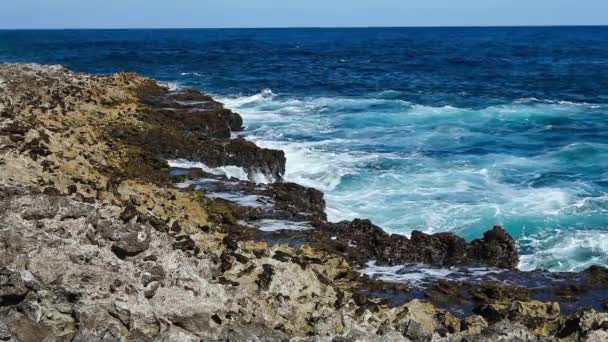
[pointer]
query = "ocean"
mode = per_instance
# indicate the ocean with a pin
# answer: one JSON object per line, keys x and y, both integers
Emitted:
{"x": 431, "y": 129}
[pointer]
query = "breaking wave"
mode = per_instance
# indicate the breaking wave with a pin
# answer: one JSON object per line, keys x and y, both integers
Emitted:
{"x": 534, "y": 166}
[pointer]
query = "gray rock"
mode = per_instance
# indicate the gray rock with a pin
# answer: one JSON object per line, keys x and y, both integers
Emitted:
{"x": 12, "y": 287}
{"x": 134, "y": 240}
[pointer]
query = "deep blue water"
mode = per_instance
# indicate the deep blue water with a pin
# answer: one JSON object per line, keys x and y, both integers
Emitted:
{"x": 416, "y": 128}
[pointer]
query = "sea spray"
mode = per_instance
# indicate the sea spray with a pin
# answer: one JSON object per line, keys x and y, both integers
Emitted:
{"x": 413, "y": 167}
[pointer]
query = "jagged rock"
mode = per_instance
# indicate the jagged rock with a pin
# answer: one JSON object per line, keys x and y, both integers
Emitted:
{"x": 597, "y": 336}
{"x": 449, "y": 321}
{"x": 265, "y": 277}
{"x": 151, "y": 289}
{"x": 41, "y": 208}
{"x": 415, "y": 331}
{"x": 13, "y": 288}
{"x": 497, "y": 248}
{"x": 542, "y": 318}
{"x": 581, "y": 324}
{"x": 506, "y": 331}
{"x": 473, "y": 325}
{"x": 299, "y": 199}
{"x": 596, "y": 276}
{"x": 360, "y": 240}
{"x": 186, "y": 244}
{"x": 15, "y": 326}
{"x": 135, "y": 240}
{"x": 153, "y": 273}
{"x": 83, "y": 180}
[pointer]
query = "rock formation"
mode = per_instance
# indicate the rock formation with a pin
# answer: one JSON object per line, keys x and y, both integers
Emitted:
{"x": 100, "y": 241}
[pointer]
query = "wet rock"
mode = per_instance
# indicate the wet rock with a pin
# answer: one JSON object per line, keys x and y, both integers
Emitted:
{"x": 439, "y": 249}
{"x": 246, "y": 154}
{"x": 298, "y": 199}
{"x": 596, "y": 276}
{"x": 496, "y": 248}
{"x": 499, "y": 293}
{"x": 362, "y": 241}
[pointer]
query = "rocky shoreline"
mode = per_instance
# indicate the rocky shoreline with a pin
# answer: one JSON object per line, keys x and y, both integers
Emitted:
{"x": 102, "y": 240}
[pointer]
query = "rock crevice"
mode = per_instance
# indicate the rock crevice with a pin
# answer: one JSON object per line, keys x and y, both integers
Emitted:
{"x": 97, "y": 243}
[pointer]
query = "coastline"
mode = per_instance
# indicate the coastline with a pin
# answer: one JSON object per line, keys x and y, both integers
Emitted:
{"x": 85, "y": 161}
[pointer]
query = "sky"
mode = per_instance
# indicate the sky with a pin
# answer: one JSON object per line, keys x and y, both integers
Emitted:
{"x": 297, "y": 13}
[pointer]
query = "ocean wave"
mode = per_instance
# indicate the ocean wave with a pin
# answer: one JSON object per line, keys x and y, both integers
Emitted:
{"x": 229, "y": 171}
{"x": 386, "y": 104}
{"x": 312, "y": 166}
{"x": 440, "y": 168}
{"x": 534, "y": 100}
{"x": 238, "y": 101}
{"x": 171, "y": 86}
{"x": 565, "y": 250}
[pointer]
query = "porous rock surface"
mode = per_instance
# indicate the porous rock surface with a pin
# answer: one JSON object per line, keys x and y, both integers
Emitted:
{"x": 97, "y": 244}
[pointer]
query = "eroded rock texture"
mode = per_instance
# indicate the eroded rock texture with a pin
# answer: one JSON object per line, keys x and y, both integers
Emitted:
{"x": 97, "y": 244}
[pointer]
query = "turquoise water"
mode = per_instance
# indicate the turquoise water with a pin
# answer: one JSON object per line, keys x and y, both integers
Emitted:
{"x": 435, "y": 169}
{"x": 429, "y": 129}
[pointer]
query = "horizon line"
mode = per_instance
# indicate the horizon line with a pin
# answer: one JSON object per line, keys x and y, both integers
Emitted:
{"x": 298, "y": 27}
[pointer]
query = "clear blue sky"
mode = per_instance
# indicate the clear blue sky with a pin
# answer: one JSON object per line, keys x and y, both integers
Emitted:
{"x": 291, "y": 13}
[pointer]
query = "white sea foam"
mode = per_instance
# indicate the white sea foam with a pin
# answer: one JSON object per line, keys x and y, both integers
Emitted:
{"x": 419, "y": 275}
{"x": 233, "y": 102}
{"x": 276, "y": 225}
{"x": 172, "y": 86}
{"x": 190, "y": 74}
{"x": 229, "y": 171}
{"x": 381, "y": 158}
{"x": 565, "y": 250}
{"x": 251, "y": 201}
{"x": 189, "y": 183}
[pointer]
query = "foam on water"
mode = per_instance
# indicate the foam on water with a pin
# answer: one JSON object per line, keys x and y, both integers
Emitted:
{"x": 534, "y": 166}
{"x": 268, "y": 225}
{"x": 172, "y": 86}
{"x": 565, "y": 250}
{"x": 229, "y": 171}
{"x": 418, "y": 128}
{"x": 252, "y": 201}
{"x": 210, "y": 190}
{"x": 420, "y": 275}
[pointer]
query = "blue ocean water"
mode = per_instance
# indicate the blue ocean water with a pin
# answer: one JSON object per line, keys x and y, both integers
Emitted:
{"x": 435, "y": 129}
